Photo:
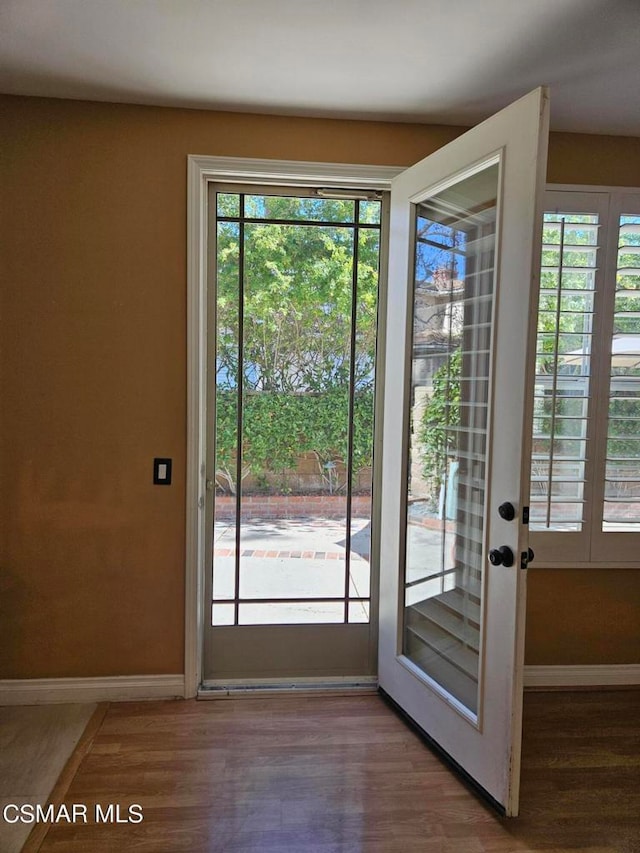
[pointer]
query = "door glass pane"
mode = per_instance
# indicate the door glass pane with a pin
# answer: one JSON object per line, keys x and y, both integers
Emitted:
{"x": 291, "y": 613}
{"x": 364, "y": 355}
{"x": 294, "y": 208}
{"x": 227, "y": 333}
{"x": 297, "y": 285}
{"x": 296, "y": 358}
{"x": 449, "y": 392}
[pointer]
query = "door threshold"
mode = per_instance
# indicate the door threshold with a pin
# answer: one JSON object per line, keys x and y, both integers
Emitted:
{"x": 246, "y": 689}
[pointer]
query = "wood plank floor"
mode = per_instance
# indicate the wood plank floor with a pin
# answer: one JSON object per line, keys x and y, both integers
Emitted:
{"x": 346, "y": 775}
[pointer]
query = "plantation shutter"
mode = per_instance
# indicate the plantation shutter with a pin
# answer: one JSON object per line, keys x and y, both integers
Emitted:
{"x": 618, "y": 494}
{"x": 585, "y": 466}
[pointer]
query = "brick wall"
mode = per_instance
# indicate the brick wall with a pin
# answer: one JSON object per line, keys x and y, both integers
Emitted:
{"x": 293, "y": 506}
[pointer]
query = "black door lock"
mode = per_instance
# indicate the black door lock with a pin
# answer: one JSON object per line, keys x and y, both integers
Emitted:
{"x": 507, "y": 511}
{"x": 526, "y": 557}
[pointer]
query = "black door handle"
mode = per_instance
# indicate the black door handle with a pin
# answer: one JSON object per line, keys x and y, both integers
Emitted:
{"x": 502, "y": 556}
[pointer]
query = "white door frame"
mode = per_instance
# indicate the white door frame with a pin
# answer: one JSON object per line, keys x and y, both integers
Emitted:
{"x": 202, "y": 170}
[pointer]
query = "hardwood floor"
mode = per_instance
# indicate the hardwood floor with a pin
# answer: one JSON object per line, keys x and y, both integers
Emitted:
{"x": 581, "y": 771}
{"x": 346, "y": 775}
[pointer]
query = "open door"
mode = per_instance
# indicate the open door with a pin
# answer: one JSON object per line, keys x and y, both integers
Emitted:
{"x": 463, "y": 264}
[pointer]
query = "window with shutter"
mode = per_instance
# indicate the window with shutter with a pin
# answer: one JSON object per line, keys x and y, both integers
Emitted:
{"x": 585, "y": 465}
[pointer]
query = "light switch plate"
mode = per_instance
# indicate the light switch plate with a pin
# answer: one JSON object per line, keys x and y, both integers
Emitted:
{"x": 162, "y": 471}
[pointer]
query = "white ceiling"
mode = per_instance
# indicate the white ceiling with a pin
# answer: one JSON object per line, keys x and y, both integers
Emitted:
{"x": 435, "y": 61}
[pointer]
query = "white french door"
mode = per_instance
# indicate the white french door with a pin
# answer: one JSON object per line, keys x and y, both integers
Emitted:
{"x": 463, "y": 261}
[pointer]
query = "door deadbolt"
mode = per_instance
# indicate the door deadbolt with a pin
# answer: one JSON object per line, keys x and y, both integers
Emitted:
{"x": 526, "y": 557}
{"x": 507, "y": 511}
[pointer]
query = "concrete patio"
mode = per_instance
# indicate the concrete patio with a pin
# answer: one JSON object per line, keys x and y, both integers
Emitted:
{"x": 305, "y": 558}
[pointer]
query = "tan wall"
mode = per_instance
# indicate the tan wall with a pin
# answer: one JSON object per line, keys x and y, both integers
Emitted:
{"x": 93, "y": 374}
{"x": 583, "y": 616}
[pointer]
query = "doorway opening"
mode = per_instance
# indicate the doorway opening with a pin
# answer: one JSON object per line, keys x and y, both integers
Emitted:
{"x": 293, "y": 330}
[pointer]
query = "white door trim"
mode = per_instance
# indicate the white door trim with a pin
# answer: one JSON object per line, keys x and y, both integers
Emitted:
{"x": 202, "y": 170}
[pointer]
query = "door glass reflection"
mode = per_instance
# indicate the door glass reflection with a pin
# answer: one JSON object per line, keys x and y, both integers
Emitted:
{"x": 449, "y": 394}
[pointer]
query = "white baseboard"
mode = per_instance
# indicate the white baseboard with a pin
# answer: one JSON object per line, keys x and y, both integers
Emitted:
{"x": 618, "y": 675}
{"x": 132, "y": 688}
{"x": 120, "y": 688}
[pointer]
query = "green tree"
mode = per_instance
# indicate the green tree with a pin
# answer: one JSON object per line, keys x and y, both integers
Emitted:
{"x": 296, "y": 347}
